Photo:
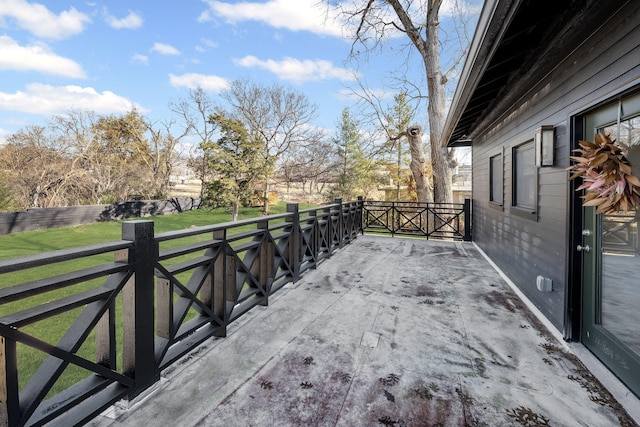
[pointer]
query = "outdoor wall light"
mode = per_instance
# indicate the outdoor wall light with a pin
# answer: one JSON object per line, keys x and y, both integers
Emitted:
{"x": 544, "y": 141}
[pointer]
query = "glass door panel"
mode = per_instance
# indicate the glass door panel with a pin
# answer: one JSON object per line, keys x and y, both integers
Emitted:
{"x": 619, "y": 279}
{"x": 611, "y": 258}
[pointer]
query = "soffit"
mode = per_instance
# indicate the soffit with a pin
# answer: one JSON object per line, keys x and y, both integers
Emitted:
{"x": 521, "y": 43}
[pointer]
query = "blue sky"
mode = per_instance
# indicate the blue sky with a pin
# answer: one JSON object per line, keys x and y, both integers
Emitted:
{"x": 110, "y": 56}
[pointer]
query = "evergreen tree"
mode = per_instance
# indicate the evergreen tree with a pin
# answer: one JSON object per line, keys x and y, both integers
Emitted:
{"x": 234, "y": 161}
{"x": 398, "y": 119}
{"x": 355, "y": 175}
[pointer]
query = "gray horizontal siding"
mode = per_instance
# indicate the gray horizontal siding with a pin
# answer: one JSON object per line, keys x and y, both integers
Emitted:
{"x": 524, "y": 248}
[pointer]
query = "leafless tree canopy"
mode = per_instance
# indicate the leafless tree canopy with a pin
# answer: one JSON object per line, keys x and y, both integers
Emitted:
{"x": 375, "y": 22}
{"x": 278, "y": 117}
{"x": 81, "y": 158}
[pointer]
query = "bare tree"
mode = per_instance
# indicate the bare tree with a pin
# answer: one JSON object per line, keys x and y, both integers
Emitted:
{"x": 277, "y": 117}
{"x": 378, "y": 20}
{"x": 76, "y": 129}
{"x": 81, "y": 158}
{"x": 38, "y": 169}
{"x": 7, "y": 192}
{"x": 195, "y": 112}
{"x": 314, "y": 163}
{"x": 163, "y": 155}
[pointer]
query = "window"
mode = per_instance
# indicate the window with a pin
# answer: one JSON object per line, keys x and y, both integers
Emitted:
{"x": 525, "y": 179}
{"x": 496, "y": 183}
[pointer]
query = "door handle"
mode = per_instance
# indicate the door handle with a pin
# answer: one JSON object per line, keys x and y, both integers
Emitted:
{"x": 585, "y": 248}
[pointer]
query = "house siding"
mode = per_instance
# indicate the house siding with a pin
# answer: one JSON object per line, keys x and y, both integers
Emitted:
{"x": 523, "y": 247}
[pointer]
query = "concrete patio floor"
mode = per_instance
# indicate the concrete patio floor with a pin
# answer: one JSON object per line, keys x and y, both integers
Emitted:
{"x": 387, "y": 332}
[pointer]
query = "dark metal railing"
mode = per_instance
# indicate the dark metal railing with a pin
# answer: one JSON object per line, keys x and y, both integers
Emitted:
{"x": 620, "y": 233}
{"x": 431, "y": 220}
{"x": 131, "y": 308}
{"x": 162, "y": 295}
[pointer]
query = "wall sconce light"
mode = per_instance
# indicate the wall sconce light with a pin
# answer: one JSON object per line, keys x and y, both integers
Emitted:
{"x": 544, "y": 144}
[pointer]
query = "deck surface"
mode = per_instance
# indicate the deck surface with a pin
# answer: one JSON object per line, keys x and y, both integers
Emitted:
{"x": 387, "y": 332}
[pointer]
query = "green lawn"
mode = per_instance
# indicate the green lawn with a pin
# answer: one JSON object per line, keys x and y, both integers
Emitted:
{"x": 38, "y": 241}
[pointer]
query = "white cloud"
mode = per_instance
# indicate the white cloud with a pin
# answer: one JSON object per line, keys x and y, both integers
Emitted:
{"x": 204, "y": 44}
{"x": 324, "y": 18}
{"x": 209, "y": 43}
{"x": 298, "y": 71}
{"x": 50, "y": 100}
{"x": 165, "y": 49}
{"x": 129, "y": 22}
{"x": 456, "y": 7}
{"x": 36, "y": 58}
{"x": 142, "y": 59}
{"x": 209, "y": 83}
{"x": 40, "y": 21}
{"x": 295, "y": 15}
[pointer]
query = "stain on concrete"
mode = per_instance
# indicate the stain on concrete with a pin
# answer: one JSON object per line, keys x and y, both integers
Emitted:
{"x": 455, "y": 347}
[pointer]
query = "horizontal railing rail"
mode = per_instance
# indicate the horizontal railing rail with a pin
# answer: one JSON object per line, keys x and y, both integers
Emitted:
{"x": 74, "y": 342}
{"x": 430, "y": 220}
{"x": 84, "y": 309}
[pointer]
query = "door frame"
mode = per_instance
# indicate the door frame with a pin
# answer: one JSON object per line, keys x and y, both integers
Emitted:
{"x": 573, "y": 296}
{"x": 581, "y": 316}
{"x": 572, "y": 327}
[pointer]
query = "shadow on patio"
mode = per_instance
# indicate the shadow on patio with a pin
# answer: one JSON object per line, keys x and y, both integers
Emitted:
{"x": 392, "y": 332}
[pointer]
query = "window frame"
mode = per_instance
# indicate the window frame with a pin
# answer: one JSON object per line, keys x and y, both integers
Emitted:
{"x": 492, "y": 184}
{"x": 529, "y": 212}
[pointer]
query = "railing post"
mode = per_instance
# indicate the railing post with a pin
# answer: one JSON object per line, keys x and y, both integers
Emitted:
{"x": 360, "y": 214}
{"x": 9, "y": 395}
{"x": 395, "y": 219}
{"x": 467, "y": 220}
{"x": 340, "y": 232}
{"x": 314, "y": 240}
{"x": 138, "y": 307}
{"x": 294, "y": 239}
{"x": 326, "y": 211}
{"x": 265, "y": 266}
{"x": 219, "y": 273}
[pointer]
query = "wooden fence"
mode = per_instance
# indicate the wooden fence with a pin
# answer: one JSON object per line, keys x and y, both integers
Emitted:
{"x": 39, "y": 218}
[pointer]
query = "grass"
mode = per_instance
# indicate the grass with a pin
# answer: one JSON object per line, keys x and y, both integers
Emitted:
{"x": 38, "y": 241}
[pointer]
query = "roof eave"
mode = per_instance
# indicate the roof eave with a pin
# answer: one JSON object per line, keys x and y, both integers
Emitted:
{"x": 493, "y": 21}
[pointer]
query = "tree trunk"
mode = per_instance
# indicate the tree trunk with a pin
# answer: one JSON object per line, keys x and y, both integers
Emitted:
{"x": 440, "y": 161}
{"x": 265, "y": 198}
{"x": 418, "y": 164}
{"x": 234, "y": 211}
{"x": 436, "y": 86}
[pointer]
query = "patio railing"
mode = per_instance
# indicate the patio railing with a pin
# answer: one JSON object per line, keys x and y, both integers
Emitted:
{"x": 620, "y": 233}
{"x": 114, "y": 315}
{"x": 431, "y": 220}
